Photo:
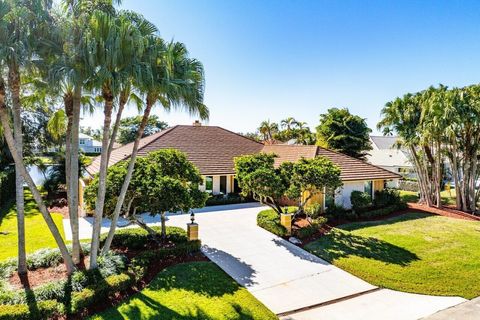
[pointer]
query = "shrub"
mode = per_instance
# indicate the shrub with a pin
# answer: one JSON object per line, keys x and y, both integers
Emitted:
{"x": 386, "y": 197}
{"x": 336, "y": 212}
{"x": 360, "y": 200}
{"x": 409, "y": 185}
{"x": 314, "y": 210}
{"x": 111, "y": 264}
{"x": 7, "y": 186}
{"x": 79, "y": 280}
{"x": 44, "y": 310}
{"x": 310, "y": 230}
{"x": 383, "y": 211}
{"x": 138, "y": 238}
{"x": 270, "y": 221}
{"x": 231, "y": 198}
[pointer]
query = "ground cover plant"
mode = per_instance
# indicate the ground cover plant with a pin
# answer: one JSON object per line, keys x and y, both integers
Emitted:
{"x": 186, "y": 291}
{"x": 414, "y": 252}
{"x": 134, "y": 260}
{"x": 37, "y": 236}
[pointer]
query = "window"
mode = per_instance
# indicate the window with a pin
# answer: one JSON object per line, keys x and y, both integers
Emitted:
{"x": 209, "y": 184}
{"x": 223, "y": 184}
{"x": 81, "y": 142}
{"x": 368, "y": 187}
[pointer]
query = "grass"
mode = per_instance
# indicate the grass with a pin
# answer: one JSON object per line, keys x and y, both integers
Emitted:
{"x": 197, "y": 290}
{"x": 37, "y": 234}
{"x": 411, "y": 196}
{"x": 414, "y": 252}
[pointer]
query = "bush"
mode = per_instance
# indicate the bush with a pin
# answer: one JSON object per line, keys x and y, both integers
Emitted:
{"x": 383, "y": 211}
{"x": 336, "y": 212}
{"x": 314, "y": 227}
{"x": 409, "y": 185}
{"x": 270, "y": 221}
{"x": 360, "y": 200}
{"x": 386, "y": 197}
{"x": 138, "y": 238}
{"x": 44, "y": 310}
{"x": 314, "y": 210}
{"x": 100, "y": 291}
{"x": 220, "y": 199}
{"x": 7, "y": 186}
{"x": 111, "y": 264}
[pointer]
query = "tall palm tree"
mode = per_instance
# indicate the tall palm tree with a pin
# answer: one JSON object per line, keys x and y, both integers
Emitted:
{"x": 268, "y": 129}
{"x": 289, "y": 123}
{"x": 178, "y": 83}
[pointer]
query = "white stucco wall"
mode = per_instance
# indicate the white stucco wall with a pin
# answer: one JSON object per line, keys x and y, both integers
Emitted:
{"x": 342, "y": 197}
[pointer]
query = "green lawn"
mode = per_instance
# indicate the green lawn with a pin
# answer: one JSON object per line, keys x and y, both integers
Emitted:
{"x": 411, "y": 196}
{"x": 198, "y": 290}
{"x": 414, "y": 252}
{"x": 37, "y": 234}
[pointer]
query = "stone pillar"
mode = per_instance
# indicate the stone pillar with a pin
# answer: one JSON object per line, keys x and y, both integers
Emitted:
{"x": 192, "y": 231}
{"x": 286, "y": 221}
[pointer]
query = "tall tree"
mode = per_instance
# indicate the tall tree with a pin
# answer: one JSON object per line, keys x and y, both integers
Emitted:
{"x": 129, "y": 127}
{"x": 268, "y": 129}
{"x": 342, "y": 131}
{"x": 177, "y": 83}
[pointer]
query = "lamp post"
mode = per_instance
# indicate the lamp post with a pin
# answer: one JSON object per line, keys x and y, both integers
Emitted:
{"x": 192, "y": 228}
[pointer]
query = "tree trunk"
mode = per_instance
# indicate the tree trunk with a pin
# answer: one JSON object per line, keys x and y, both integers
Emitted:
{"x": 14, "y": 84}
{"x": 453, "y": 160}
{"x": 36, "y": 194}
{"x": 121, "y": 106}
{"x": 99, "y": 203}
{"x": 128, "y": 178}
{"x": 438, "y": 174}
{"x": 73, "y": 180}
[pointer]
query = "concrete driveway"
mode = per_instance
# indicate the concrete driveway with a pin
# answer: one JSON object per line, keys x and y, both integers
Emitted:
{"x": 291, "y": 282}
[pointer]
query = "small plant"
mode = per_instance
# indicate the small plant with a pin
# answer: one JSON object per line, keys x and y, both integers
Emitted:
{"x": 386, "y": 197}
{"x": 336, "y": 212}
{"x": 360, "y": 200}
{"x": 270, "y": 221}
{"x": 314, "y": 210}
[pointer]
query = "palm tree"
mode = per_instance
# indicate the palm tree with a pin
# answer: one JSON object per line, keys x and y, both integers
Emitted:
{"x": 268, "y": 129}
{"x": 289, "y": 123}
{"x": 178, "y": 83}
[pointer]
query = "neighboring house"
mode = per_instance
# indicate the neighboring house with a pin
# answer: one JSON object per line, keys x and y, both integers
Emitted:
{"x": 213, "y": 149}
{"x": 387, "y": 155}
{"x": 89, "y": 145}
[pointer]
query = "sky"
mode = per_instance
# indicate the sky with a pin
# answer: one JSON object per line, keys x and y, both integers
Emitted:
{"x": 272, "y": 59}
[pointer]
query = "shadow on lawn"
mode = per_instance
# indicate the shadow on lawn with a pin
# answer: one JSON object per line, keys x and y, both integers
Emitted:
{"x": 298, "y": 252}
{"x": 338, "y": 244}
{"x": 408, "y": 216}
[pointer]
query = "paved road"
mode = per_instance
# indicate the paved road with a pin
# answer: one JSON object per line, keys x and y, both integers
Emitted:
{"x": 469, "y": 310}
{"x": 290, "y": 281}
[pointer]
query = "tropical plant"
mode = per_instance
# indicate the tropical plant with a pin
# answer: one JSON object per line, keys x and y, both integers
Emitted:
{"x": 129, "y": 127}
{"x": 342, "y": 131}
{"x": 268, "y": 129}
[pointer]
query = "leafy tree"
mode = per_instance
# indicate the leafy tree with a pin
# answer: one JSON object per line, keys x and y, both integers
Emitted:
{"x": 163, "y": 181}
{"x": 129, "y": 127}
{"x": 341, "y": 131}
{"x": 298, "y": 181}
{"x": 267, "y": 130}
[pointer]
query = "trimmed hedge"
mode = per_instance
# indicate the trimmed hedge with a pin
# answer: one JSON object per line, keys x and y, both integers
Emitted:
{"x": 360, "y": 200}
{"x": 138, "y": 238}
{"x": 270, "y": 221}
{"x": 41, "y": 310}
{"x": 383, "y": 211}
{"x": 231, "y": 198}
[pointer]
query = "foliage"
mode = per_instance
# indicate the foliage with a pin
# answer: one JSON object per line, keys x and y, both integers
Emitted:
{"x": 127, "y": 131}
{"x": 257, "y": 175}
{"x": 313, "y": 228}
{"x": 385, "y": 197}
{"x": 137, "y": 238}
{"x": 397, "y": 252}
{"x": 360, "y": 200}
{"x": 165, "y": 296}
{"x": 434, "y": 125}
{"x": 231, "y": 198}
{"x": 409, "y": 185}
{"x": 381, "y": 212}
{"x": 7, "y": 186}
{"x": 162, "y": 181}
{"x": 270, "y": 221}
{"x": 289, "y": 129}
{"x": 336, "y": 212}
{"x": 43, "y": 310}
{"x": 341, "y": 131}
{"x": 314, "y": 210}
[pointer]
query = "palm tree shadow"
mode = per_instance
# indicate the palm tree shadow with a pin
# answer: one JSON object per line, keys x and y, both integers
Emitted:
{"x": 242, "y": 272}
{"x": 343, "y": 244}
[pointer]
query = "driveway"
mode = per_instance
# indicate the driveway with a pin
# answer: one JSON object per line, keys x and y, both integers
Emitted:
{"x": 291, "y": 282}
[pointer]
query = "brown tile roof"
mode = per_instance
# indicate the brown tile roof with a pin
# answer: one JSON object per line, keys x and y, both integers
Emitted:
{"x": 212, "y": 150}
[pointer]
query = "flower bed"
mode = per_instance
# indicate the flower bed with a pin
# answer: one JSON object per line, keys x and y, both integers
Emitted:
{"x": 118, "y": 272}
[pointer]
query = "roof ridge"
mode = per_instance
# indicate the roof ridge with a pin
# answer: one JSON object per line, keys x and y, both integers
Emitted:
{"x": 238, "y": 134}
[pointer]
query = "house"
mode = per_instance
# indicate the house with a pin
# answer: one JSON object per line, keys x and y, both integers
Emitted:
{"x": 387, "y": 155}
{"x": 213, "y": 149}
{"x": 89, "y": 145}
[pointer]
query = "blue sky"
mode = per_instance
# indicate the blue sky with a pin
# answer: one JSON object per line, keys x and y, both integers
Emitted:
{"x": 278, "y": 58}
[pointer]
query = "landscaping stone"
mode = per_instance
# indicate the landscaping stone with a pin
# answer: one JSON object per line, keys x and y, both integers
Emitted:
{"x": 295, "y": 240}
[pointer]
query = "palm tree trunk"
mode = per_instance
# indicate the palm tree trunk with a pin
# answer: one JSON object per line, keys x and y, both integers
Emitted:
{"x": 14, "y": 84}
{"x": 438, "y": 173}
{"x": 26, "y": 176}
{"x": 454, "y": 161}
{"x": 128, "y": 177}
{"x": 73, "y": 181}
{"x": 121, "y": 106}
{"x": 99, "y": 204}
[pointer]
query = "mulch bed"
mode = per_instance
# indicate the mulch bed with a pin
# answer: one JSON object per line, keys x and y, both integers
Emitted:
{"x": 445, "y": 211}
{"x": 38, "y": 277}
